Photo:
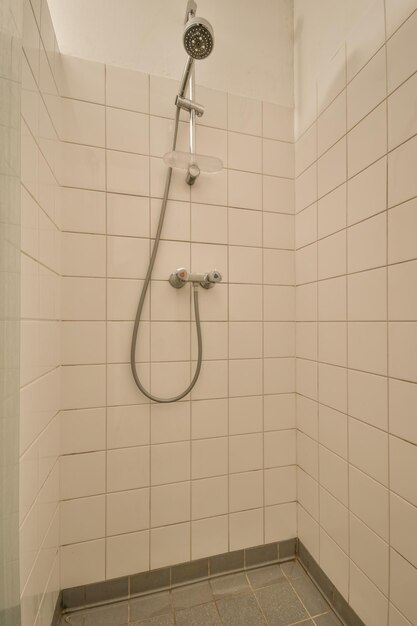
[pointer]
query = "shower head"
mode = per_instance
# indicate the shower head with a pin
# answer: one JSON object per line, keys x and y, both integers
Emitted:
{"x": 198, "y": 38}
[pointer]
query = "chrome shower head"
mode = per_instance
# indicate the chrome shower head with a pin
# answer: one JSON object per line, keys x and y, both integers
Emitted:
{"x": 198, "y": 38}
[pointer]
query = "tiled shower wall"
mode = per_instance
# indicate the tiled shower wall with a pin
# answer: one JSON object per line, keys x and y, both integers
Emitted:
{"x": 356, "y": 310}
{"x": 147, "y": 485}
{"x": 40, "y": 321}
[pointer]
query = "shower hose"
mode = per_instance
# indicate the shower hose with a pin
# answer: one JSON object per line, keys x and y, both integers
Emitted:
{"x": 145, "y": 289}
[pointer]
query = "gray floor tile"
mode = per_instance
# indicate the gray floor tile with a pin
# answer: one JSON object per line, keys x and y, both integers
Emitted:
{"x": 110, "y": 615}
{"x": 330, "y": 619}
{"x": 203, "y": 615}
{"x": 192, "y": 595}
{"x": 280, "y": 604}
{"x": 293, "y": 570}
{"x": 229, "y": 585}
{"x": 310, "y": 596}
{"x": 150, "y": 606}
{"x": 265, "y": 576}
{"x": 240, "y": 610}
{"x": 159, "y": 620}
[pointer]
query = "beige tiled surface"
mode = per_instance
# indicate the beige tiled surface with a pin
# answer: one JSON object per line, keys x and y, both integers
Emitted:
{"x": 216, "y": 471}
{"x": 226, "y": 459}
{"x": 355, "y": 311}
{"x": 41, "y": 313}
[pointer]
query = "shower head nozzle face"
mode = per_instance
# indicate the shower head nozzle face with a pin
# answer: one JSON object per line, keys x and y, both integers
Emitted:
{"x": 198, "y": 38}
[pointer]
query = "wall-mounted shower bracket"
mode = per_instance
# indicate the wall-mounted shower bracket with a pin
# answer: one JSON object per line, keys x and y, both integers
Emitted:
{"x": 189, "y": 105}
{"x": 180, "y": 277}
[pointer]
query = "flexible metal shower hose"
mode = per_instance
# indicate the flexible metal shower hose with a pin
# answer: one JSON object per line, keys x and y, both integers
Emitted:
{"x": 145, "y": 289}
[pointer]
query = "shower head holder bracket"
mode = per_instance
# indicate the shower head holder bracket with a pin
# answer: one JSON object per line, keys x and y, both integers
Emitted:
{"x": 189, "y": 105}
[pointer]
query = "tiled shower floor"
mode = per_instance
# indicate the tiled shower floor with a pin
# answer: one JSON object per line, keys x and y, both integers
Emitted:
{"x": 278, "y": 595}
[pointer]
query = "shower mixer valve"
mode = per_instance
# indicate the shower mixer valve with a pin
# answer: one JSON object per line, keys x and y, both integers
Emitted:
{"x": 180, "y": 277}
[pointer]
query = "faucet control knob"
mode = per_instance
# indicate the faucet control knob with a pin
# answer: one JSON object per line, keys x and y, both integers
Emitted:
{"x": 211, "y": 278}
{"x": 179, "y": 278}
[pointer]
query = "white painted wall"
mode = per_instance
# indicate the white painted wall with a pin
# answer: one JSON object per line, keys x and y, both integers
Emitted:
{"x": 253, "y": 53}
{"x": 320, "y": 28}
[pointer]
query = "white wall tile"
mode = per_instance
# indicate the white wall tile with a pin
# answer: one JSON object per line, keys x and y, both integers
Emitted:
{"x": 246, "y": 529}
{"x": 127, "y": 89}
{"x": 127, "y": 554}
{"x": 367, "y": 295}
{"x": 209, "y": 457}
{"x": 278, "y": 194}
{"x": 366, "y": 599}
{"x": 367, "y": 192}
{"x": 81, "y": 79}
{"x": 402, "y": 341}
{"x": 127, "y": 173}
{"x": 401, "y": 54}
{"x": 369, "y": 500}
{"x": 170, "y": 504}
{"x": 209, "y": 497}
{"x": 403, "y": 580}
{"x": 370, "y": 553}
{"x": 332, "y": 212}
{"x": 334, "y": 562}
{"x": 367, "y": 397}
{"x": 127, "y": 511}
{"x": 367, "y": 347}
{"x": 82, "y": 519}
{"x": 367, "y": 89}
{"x": 331, "y": 125}
{"x": 245, "y": 452}
{"x": 367, "y": 141}
{"x": 361, "y": 437}
{"x": 82, "y": 563}
{"x": 170, "y": 545}
{"x": 402, "y": 403}
{"x": 277, "y": 158}
{"x": 209, "y": 536}
{"x": 402, "y": 524}
{"x": 82, "y": 475}
{"x": 402, "y": 221}
{"x": 245, "y": 153}
{"x": 367, "y": 244}
{"x": 277, "y": 122}
{"x": 127, "y": 131}
{"x": 403, "y": 461}
{"x": 332, "y": 168}
{"x": 127, "y": 468}
{"x": 245, "y": 491}
{"x": 280, "y": 521}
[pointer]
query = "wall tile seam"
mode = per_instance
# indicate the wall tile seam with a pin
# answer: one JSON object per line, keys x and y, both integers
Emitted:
{"x": 47, "y": 373}
{"x": 39, "y": 23}
{"x": 157, "y": 197}
{"x": 179, "y": 482}
{"x": 170, "y": 524}
{"x": 99, "y": 406}
{"x": 34, "y": 443}
{"x": 199, "y": 123}
{"x": 153, "y": 116}
{"x": 195, "y": 242}
{"x": 400, "y": 25}
{"x": 45, "y": 591}
{"x": 48, "y": 476}
{"x": 36, "y": 201}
